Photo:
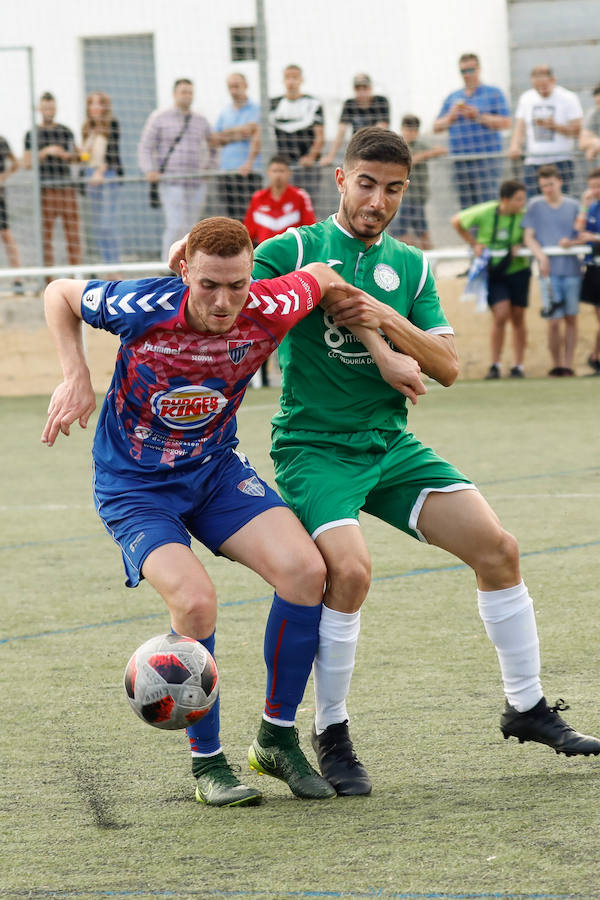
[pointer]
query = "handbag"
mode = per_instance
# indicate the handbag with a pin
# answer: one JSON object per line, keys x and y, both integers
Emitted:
{"x": 154, "y": 196}
{"x": 154, "y": 193}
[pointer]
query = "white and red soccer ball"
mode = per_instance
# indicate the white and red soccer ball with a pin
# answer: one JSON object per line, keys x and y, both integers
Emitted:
{"x": 171, "y": 681}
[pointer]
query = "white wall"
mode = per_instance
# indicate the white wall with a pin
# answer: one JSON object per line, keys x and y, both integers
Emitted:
{"x": 409, "y": 47}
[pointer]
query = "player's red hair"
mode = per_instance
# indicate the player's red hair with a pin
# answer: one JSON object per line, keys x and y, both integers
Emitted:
{"x": 218, "y": 236}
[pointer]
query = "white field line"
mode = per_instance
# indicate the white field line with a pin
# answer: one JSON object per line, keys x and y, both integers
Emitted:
{"x": 543, "y": 496}
{"x": 44, "y": 507}
{"x": 61, "y": 507}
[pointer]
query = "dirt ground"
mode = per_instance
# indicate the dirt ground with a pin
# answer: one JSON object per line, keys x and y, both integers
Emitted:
{"x": 28, "y": 363}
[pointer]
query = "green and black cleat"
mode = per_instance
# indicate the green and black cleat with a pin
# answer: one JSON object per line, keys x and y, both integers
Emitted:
{"x": 218, "y": 786}
{"x": 276, "y": 752}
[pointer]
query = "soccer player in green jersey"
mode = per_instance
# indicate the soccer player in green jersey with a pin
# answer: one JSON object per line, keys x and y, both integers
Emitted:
{"x": 340, "y": 445}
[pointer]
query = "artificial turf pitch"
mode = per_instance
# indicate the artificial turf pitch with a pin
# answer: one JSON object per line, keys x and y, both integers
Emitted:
{"x": 93, "y": 803}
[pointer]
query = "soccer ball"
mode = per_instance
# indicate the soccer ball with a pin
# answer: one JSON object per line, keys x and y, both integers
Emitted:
{"x": 171, "y": 681}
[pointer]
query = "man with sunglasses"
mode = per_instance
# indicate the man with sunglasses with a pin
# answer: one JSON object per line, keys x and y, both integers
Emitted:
{"x": 474, "y": 116}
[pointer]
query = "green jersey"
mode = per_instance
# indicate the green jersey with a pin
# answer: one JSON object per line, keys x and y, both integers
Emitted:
{"x": 508, "y": 231}
{"x": 329, "y": 381}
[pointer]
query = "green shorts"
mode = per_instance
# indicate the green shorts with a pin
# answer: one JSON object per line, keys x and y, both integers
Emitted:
{"x": 327, "y": 478}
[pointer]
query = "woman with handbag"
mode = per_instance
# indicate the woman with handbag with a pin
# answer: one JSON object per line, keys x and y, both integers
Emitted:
{"x": 102, "y": 165}
{"x": 497, "y": 226}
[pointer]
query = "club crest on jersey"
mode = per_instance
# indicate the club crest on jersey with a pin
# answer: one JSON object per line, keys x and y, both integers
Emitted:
{"x": 252, "y": 486}
{"x": 385, "y": 277}
{"x": 189, "y": 406}
{"x": 236, "y": 350}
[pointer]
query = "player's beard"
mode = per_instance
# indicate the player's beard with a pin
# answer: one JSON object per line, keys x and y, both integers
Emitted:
{"x": 353, "y": 221}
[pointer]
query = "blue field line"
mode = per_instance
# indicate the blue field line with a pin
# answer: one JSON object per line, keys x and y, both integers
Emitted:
{"x": 226, "y": 603}
{"x": 357, "y": 895}
{"x": 69, "y": 540}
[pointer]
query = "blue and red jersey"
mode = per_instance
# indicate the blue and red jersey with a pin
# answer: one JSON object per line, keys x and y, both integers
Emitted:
{"x": 175, "y": 392}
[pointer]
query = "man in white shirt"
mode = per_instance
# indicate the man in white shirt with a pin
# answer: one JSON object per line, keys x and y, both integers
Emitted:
{"x": 548, "y": 119}
{"x": 297, "y": 119}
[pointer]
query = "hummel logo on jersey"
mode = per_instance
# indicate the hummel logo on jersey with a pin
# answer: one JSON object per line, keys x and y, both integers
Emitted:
{"x": 290, "y": 301}
{"x": 237, "y": 350}
{"x": 124, "y": 303}
{"x": 158, "y": 348}
{"x": 252, "y": 486}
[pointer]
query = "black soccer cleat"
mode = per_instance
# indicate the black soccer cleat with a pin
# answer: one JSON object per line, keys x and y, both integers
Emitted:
{"x": 543, "y": 724}
{"x": 338, "y": 762}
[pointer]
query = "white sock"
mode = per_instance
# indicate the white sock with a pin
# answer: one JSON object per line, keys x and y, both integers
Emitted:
{"x": 509, "y": 620}
{"x": 333, "y": 665}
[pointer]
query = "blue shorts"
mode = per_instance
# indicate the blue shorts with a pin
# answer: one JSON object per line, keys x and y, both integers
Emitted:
{"x": 565, "y": 295}
{"x": 211, "y": 502}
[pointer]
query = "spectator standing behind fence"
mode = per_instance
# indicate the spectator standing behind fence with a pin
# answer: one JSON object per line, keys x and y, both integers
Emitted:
{"x": 272, "y": 210}
{"x": 360, "y": 111}
{"x": 588, "y": 228}
{"x": 175, "y": 142}
{"x": 547, "y": 119}
{"x": 298, "y": 122}
{"x": 102, "y": 165}
{"x": 237, "y": 134}
{"x": 56, "y": 151}
{"x": 474, "y": 116}
{"x": 410, "y": 222}
{"x": 8, "y": 165}
{"x": 498, "y": 227}
{"x": 550, "y": 221}
{"x": 279, "y": 206}
{"x": 589, "y": 139}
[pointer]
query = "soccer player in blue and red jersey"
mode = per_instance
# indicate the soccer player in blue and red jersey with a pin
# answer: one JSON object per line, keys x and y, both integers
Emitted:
{"x": 166, "y": 466}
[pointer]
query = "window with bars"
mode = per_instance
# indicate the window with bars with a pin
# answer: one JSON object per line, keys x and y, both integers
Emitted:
{"x": 243, "y": 42}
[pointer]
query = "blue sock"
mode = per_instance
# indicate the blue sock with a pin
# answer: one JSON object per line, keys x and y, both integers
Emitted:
{"x": 291, "y": 640}
{"x": 204, "y": 735}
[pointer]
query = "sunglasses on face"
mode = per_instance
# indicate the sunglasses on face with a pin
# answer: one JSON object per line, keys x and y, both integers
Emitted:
{"x": 469, "y": 70}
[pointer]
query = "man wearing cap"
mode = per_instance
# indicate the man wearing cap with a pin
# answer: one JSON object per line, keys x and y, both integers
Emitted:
{"x": 364, "y": 109}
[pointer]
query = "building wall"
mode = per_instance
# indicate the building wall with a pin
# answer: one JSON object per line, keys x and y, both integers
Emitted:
{"x": 410, "y": 49}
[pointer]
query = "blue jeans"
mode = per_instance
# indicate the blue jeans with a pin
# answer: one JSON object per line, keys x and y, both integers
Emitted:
{"x": 103, "y": 206}
{"x": 560, "y": 295}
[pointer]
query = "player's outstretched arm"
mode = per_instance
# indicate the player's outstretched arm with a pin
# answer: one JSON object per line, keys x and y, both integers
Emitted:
{"x": 74, "y": 398}
{"x": 435, "y": 353}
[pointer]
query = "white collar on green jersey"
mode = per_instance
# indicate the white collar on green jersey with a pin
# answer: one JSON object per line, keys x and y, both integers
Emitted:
{"x": 343, "y": 230}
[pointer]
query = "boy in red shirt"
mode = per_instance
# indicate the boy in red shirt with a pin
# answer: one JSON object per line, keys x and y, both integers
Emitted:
{"x": 279, "y": 206}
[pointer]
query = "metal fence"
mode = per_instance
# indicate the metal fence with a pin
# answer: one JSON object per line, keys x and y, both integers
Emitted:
{"x": 138, "y": 228}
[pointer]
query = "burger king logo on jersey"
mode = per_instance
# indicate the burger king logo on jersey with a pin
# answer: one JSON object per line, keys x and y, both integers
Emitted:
{"x": 189, "y": 406}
